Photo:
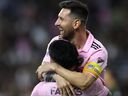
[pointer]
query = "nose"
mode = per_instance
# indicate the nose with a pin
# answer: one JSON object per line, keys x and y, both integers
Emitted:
{"x": 57, "y": 23}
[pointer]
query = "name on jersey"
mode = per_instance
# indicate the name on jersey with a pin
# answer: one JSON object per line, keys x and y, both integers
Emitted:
{"x": 56, "y": 91}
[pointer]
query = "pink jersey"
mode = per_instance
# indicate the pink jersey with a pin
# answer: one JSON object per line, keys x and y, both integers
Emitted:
{"x": 93, "y": 51}
{"x": 50, "y": 89}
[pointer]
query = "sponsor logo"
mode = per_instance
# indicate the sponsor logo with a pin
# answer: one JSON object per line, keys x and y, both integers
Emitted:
{"x": 100, "y": 60}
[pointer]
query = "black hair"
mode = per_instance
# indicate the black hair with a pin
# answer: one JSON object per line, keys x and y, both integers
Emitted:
{"x": 64, "y": 53}
{"x": 79, "y": 9}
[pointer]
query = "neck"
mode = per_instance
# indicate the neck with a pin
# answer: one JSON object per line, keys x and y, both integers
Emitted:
{"x": 80, "y": 38}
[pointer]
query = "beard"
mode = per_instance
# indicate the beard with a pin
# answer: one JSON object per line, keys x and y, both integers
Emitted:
{"x": 68, "y": 36}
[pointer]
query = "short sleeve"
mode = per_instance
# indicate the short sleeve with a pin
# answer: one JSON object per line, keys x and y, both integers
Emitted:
{"x": 96, "y": 63}
{"x": 100, "y": 57}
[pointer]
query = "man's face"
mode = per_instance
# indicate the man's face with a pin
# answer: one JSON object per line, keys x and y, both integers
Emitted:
{"x": 64, "y": 24}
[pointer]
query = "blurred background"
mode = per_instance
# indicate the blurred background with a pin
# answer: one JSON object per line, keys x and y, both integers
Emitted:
{"x": 26, "y": 27}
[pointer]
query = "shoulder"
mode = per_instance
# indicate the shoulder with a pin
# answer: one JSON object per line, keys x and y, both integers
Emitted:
{"x": 42, "y": 85}
{"x": 53, "y": 39}
{"x": 44, "y": 89}
{"x": 98, "y": 50}
{"x": 98, "y": 53}
{"x": 97, "y": 46}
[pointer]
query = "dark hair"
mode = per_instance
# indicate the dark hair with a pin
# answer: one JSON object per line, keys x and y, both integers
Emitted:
{"x": 64, "y": 53}
{"x": 77, "y": 8}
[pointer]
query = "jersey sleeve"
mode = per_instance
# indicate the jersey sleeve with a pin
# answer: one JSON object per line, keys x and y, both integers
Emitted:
{"x": 47, "y": 57}
{"x": 96, "y": 63}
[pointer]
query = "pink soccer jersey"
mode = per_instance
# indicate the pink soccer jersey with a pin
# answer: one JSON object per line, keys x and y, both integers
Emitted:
{"x": 50, "y": 89}
{"x": 93, "y": 52}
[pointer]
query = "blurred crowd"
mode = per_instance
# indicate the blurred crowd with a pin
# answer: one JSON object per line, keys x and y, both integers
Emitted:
{"x": 26, "y": 27}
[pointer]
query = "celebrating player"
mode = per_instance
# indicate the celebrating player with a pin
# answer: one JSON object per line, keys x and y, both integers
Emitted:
{"x": 71, "y": 23}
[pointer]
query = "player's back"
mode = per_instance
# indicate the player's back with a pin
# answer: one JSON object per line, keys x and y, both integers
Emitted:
{"x": 50, "y": 89}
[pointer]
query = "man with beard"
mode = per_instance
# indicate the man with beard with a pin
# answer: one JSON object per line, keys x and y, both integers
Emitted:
{"x": 71, "y": 23}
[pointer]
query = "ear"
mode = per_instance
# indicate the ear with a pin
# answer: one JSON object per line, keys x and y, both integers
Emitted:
{"x": 76, "y": 23}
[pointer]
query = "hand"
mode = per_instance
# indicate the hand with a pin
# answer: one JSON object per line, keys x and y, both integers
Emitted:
{"x": 45, "y": 67}
{"x": 64, "y": 86}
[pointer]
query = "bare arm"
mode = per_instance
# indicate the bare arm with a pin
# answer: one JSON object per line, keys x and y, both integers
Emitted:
{"x": 80, "y": 80}
{"x": 91, "y": 71}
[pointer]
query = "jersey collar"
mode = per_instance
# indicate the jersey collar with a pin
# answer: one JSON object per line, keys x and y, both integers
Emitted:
{"x": 88, "y": 43}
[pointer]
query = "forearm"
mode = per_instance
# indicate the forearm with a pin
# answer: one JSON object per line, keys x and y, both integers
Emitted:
{"x": 80, "y": 80}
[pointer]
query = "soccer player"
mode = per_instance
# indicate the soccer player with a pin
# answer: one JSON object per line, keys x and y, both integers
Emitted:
{"x": 71, "y": 23}
{"x": 70, "y": 56}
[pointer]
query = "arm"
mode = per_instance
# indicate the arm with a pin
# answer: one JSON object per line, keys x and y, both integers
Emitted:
{"x": 46, "y": 59}
{"x": 80, "y": 80}
{"x": 91, "y": 71}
